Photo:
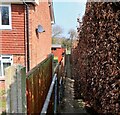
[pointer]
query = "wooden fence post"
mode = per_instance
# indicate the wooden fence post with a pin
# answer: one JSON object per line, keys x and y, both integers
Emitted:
{"x": 15, "y": 86}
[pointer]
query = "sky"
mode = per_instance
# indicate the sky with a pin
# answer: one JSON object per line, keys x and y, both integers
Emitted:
{"x": 66, "y": 14}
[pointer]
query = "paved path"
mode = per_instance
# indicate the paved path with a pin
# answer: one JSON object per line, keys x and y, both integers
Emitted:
{"x": 69, "y": 104}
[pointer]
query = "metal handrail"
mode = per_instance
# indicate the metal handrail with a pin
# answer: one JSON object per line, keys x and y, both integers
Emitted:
{"x": 54, "y": 84}
{"x": 45, "y": 106}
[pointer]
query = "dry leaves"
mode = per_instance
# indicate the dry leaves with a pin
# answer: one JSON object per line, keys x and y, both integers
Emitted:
{"x": 96, "y": 59}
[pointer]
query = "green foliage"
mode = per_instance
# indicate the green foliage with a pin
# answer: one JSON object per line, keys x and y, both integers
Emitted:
{"x": 4, "y": 113}
{"x": 54, "y": 40}
{"x": 57, "y": 38}
{"x": 2, "y": 100}
{"x": 3, "y": 103}
{"x": 2, "y": 92}
{"x": 66, "y": 43}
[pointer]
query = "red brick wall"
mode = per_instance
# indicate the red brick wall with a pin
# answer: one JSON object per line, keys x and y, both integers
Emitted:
{"x": 40, "y": 46}
{"x": 2, "y": 85}
{"x": 58, "y": 53}
{"x": 12, "y": 41}
{"x": 19, "y": 59}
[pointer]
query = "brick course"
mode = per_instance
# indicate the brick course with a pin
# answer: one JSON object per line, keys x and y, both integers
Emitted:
{"x": 40, "y": 46}
{"x": 19, "y": 59}
{"x": 12, "y": 41}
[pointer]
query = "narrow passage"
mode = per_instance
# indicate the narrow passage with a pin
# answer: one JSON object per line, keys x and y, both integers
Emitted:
{"x": 69, "y": 104}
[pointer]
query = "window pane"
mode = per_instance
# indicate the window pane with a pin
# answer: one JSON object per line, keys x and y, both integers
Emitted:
{"x": 5, "y": 15}
{"x": 0, "y": 69}
{"x": 5, "y": 65}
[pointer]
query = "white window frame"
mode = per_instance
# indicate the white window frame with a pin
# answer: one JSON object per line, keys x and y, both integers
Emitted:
{"x": 6, "y": 27}
{"x": 5, "y": 60}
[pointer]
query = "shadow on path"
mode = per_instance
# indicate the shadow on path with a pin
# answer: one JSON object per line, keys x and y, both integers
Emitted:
{"x": 69, "y": 104}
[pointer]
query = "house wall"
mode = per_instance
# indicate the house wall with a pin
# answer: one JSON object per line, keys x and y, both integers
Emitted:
{"x": 13, "y": 41}
{"x": 40, "y": 45}
{"x": 19, "y": 59}
{"x": 58, "y": 53}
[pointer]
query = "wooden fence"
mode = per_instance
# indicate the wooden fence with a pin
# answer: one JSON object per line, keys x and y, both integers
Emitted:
{"x": 15, "y": 86}
{"x": 38, "y": 83}
{"x": 55, "y": 93}
{"x": 27, "y": 93}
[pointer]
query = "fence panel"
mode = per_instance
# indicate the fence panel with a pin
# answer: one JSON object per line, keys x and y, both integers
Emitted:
{"x": 55, "y": 93}
{"x": 15, "y": 86}
{"x": 38, "y": 83}
{"x": 35, "y": 85}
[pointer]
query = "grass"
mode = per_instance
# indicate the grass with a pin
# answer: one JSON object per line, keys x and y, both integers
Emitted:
{"x": 3, "y": 103}
{"x": 2, "y": 99}
{"x": 81, "y": 103}
{"x": 2, "y": 92}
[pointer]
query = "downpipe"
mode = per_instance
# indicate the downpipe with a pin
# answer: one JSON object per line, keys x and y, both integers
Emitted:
{"x": 27, "y": 35}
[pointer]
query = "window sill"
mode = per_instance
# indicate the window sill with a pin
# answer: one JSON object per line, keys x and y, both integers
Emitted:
{"x": 5, "y": 28}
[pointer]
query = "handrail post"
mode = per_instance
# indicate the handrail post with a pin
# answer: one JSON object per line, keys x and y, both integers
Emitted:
{"x": 55, "y": 96}
{"x": 46, "y": 103}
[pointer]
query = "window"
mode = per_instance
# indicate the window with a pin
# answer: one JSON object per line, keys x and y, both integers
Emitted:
{"x": 5, "y": 61}
{"x": 5, "y": 17}
{"x": 53, "y": 48}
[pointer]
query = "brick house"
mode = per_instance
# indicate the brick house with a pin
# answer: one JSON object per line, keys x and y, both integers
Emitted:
{"x": 58, "y": 51}
{"x": 20, "y": 41}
